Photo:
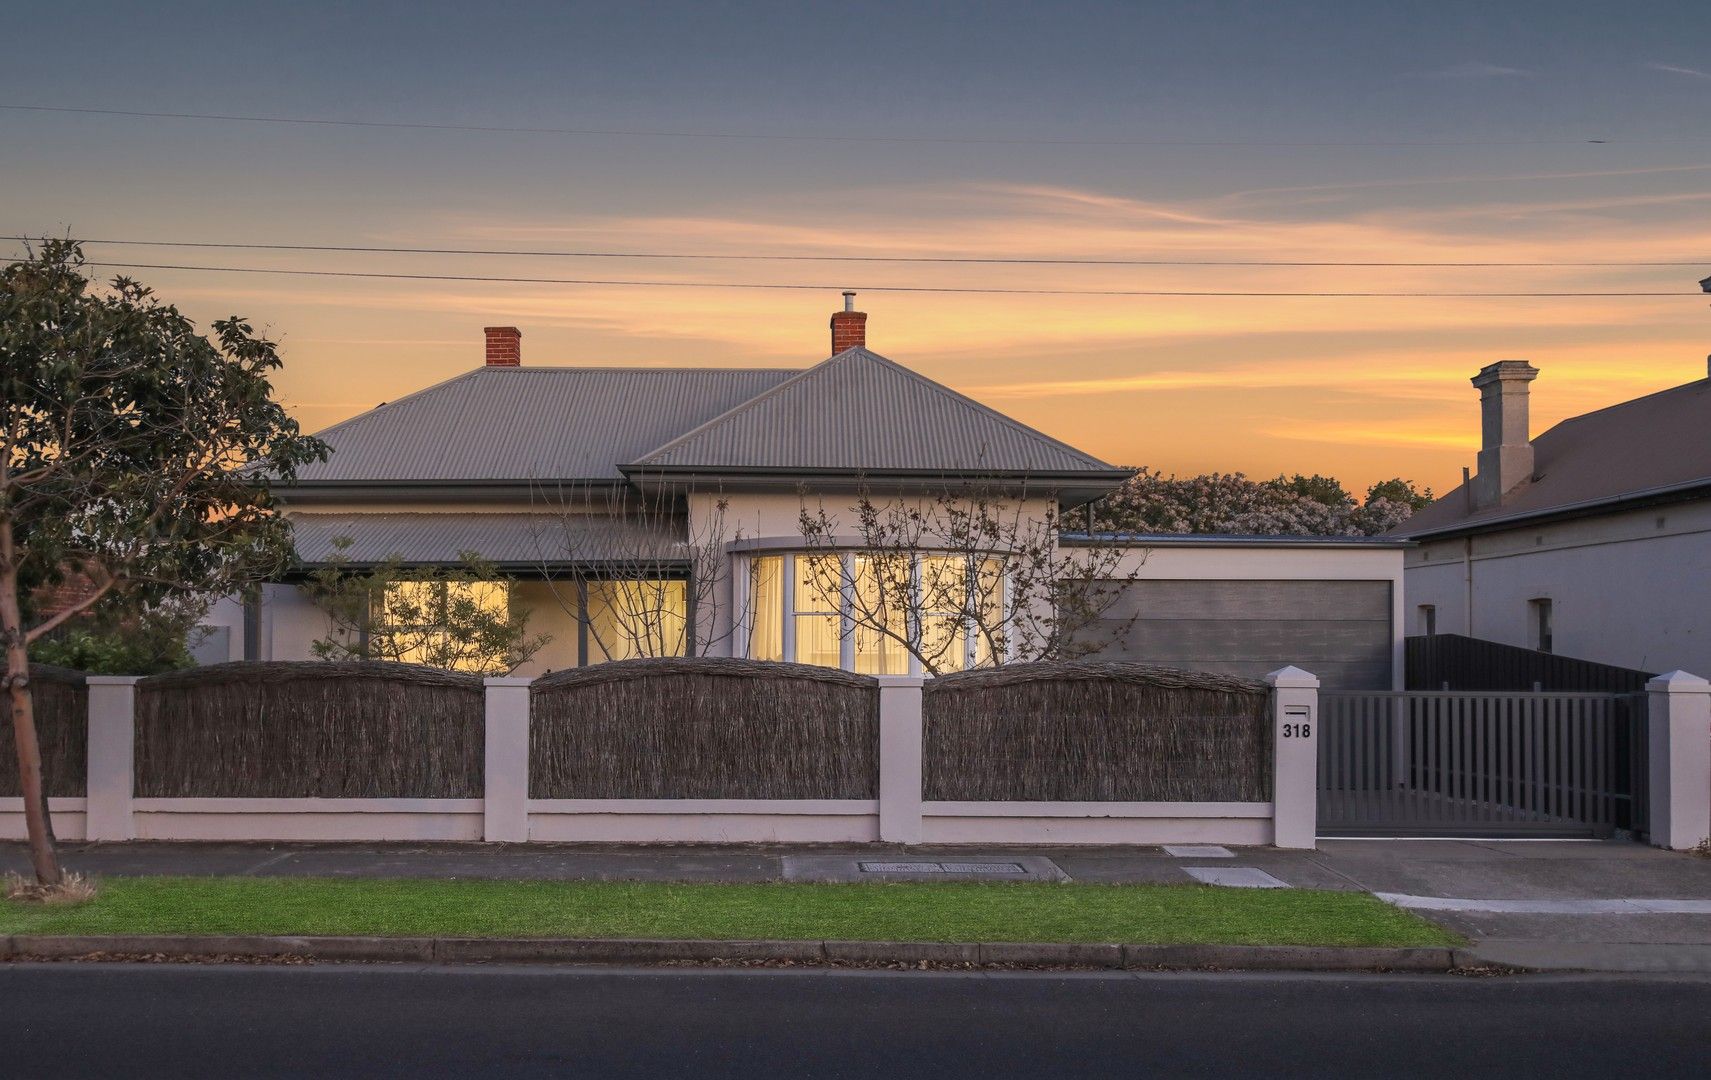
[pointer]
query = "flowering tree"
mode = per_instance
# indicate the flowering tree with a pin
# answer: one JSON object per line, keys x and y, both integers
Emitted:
{"x": 1232, "y": 503}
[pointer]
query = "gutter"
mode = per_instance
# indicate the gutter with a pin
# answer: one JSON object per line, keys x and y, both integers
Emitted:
{"x": 1220, "y": 540}
{"x": 1627, "y": 500}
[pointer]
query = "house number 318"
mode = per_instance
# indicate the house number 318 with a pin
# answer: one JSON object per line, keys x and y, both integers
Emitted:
{"x": 1297, "y": 731}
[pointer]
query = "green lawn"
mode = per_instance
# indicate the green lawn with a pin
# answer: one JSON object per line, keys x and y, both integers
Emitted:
{"x": 952, "y": 911}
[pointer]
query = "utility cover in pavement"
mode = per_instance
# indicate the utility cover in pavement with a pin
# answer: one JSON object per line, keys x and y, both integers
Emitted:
{"x": 974, "y": 866}
{"x": 1198, "y": 851}
{"x": 1234, "y": 877}
{"x": 941, "y": 868}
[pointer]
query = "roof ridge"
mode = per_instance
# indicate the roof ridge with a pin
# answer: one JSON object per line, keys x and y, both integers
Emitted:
{"x": 741, "y": 407}
{"x": 863, "y": 352}
{"x": 1623, "y": 404}
{"x": 411, "y": 396}
{"x": 699, "y": 368}
{"x": 978, "y": 406}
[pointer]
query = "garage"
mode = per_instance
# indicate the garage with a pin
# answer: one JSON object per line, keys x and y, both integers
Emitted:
{"x": 1247, "y": 606}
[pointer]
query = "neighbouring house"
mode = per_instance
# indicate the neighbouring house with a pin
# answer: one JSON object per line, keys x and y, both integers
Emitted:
{"x": 1592, "y": 540}
{"x": 641, "y": 511}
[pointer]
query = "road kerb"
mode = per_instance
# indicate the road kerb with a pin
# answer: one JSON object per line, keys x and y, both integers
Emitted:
{"x": 657, "y": 951}
{"x": 1288, "y": 957}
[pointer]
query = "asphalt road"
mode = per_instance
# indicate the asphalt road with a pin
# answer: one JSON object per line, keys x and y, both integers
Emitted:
{"x": 87, "y": 1020}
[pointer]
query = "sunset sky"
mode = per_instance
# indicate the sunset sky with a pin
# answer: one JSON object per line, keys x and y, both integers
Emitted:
{"x": 1197, "y": 131}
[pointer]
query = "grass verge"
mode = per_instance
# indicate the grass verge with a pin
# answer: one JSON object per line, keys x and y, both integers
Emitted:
{"x": 951, "y": 911}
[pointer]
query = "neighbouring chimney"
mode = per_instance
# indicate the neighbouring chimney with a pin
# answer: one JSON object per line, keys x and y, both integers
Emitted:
{"x": 1506, "y": 442}
{"x": 849, "y": 326}
{"x": 504, "y": 346}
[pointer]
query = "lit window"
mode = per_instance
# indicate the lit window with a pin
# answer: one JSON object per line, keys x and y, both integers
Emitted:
{"x": 816, "y": 609}
{"x": 880, "y": 611}
{"x": 416, "y": 615}
{"x": 766, "y": 608}
{"x": 807, "y": 608}
{"x": 627, "y": 619}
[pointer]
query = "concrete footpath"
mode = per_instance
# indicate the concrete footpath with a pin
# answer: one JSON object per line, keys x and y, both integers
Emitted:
{"x": 1604, "y": 906}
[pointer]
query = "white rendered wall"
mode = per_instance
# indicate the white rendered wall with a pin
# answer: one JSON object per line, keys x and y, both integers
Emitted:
{"x": 228, "y": 612}
{"x": 1631, "y": 588}
{"x": 69, "y": 818}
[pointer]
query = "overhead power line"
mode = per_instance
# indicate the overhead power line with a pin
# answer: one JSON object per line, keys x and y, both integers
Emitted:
{"x": 935, "y": 259}
{"x": 972, "y": 290}
{"x": 841, "y": 138}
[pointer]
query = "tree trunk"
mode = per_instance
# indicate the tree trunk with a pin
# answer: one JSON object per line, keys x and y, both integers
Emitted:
{"x": 36, "y": 822}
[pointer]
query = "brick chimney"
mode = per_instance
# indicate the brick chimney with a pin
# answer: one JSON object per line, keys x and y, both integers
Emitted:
{"x": 849, "y": 326}
{"x": 504, "y": 346}
{"x": 1506, "y": 441}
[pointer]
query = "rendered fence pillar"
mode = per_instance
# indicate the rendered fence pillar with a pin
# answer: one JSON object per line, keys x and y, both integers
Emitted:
{"x": 110, "y": 773}
{"x": 1678, "y": 734}
{"x": 900, "y": 759}
{"x": 505, "y": 794}
{"x": 1295, "y": 757}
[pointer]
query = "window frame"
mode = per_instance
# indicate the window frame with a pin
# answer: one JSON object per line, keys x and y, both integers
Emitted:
{"x": 380, "y": 621}
{"x": 1541, "y": 624}
{"x": 788, "y": 580}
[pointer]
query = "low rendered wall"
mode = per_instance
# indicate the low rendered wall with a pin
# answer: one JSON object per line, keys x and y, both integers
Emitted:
{"x": 695, "y": 752}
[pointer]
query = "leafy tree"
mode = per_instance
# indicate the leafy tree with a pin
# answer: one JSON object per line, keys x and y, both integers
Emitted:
{"x": 1325, "y": 490}
{"x": 133, "y": 451}
{"x": 460, "y": 619}
{"x": 1401, "y": 491}
{"x": 119, "y": 642}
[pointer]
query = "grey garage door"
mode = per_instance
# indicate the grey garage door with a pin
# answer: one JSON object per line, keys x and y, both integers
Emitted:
{"x": 1338, "y": 630}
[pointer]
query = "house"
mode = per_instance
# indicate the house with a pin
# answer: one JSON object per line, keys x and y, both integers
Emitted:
{"x": 645, "y": 511}
{"x": 1592, "y": 540}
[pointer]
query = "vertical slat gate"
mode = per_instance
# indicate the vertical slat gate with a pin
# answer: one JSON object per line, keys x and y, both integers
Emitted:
{"x": 1481, "y": 764}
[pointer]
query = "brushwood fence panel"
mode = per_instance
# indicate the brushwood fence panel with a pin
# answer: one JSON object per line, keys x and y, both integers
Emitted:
{"x": 61, "y": 703}
{"x": 1096, "y": 732}
{"x": 310, "y": 730}
{"x": 703, "y": 728}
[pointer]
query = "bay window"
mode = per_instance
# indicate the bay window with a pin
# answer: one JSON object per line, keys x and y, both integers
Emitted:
{"x": 863, "y": 611}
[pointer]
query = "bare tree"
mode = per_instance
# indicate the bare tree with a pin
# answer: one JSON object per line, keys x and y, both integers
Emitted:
{"x": 134, "y": 452}
{"x": 646, "y": 578}
{"x": 964, "y": 573}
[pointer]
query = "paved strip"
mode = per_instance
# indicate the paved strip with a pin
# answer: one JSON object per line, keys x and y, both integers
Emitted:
{"x": 1234, "y": 877}
{"x": 1620, "y": 906}
{"x": 1198, "y": 851}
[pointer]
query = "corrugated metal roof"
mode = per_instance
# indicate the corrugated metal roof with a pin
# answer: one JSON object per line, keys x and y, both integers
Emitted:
{"x": 1651, "y": 444}
{"x": 506, "y": 539}
{"x": 528, "y": 423}
{"x": 859, "y": 412}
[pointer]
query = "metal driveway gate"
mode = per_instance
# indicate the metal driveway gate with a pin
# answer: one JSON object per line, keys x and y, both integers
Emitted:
{"x": 1481, "y": 764}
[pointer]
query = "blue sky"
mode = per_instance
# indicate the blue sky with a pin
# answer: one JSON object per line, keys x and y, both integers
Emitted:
{"x": 1359, "y": 387}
